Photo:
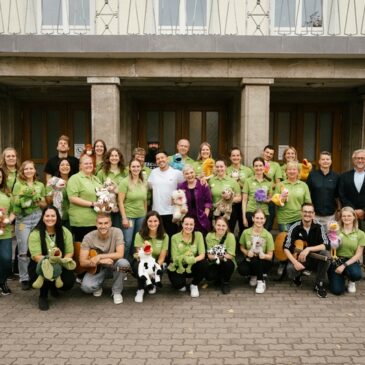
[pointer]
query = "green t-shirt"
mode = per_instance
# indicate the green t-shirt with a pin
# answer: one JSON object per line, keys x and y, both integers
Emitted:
{"x": 157, "y": 244}
{"x": 21, "y": 193}
{"x": 250, "y": 186}
{"x": 116, "y": 177}
{"x": 350, "y": 242}
{"x": 298, "y": 195}
{"x": 34, "y": 242}
{"x": 180, "y": 247}
{"x": 6, "y": 204}
{"x": 230, "y": 243}
{"x": 135, "y": 198}
{"x": 82, "y": 186}
{"x": 198, "y": 167}
{"x": 242, "y": 173}
{"x": 283, "y": 170}
{"x": 187, "y": 161}
{"x": 266, "y": 240}
{"x": 10, "y": 181}
{"x": 99, "y": 166}
{"x": 274, "y": 172}
{"x": 65, "y": 202}
{"x": 218, "y": 184}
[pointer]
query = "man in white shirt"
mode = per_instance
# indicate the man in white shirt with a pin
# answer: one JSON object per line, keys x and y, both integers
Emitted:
{"x": 163, "y": 181}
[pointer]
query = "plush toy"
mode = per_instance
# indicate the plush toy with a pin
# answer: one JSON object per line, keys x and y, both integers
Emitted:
{"x": 208, "y": 167}
{"x": 305, "y": 170}
{"x": 26, "y": 200}
{"x": 179, "y": 204}
{"x": 218, "y": 251}
{"x": 261, "y": 195}
{"x": 3, "y": 221}
{"x": 282, "y": 198}
{"x": 148, "y": 269}
{"x": 266, "y": 168}
{"x": 224, "y": 204}
{"x": 104, "y": 203}
{"x": 235, "y": 174}
{"x": 89, "y": 151}
{"x": 182, "y": 263}
{"x": 257, "y": 246}
{"x": 177, "y": 162}
{"x": 57, "y": 186}
{"x": 334, "y": 237}
{"x": 50, "y": 268}
{"x": 112, "y": 188}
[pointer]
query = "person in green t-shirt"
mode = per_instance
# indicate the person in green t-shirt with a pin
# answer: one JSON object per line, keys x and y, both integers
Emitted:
{"x": 132, "y": 200}
{"x": 29, "y": 199}
{"x": 153, "y": 232}
{"x": 257, "y": 246}
{"x": 100, "y": 149}
{"x": 189, "y": 246}
{"x": 50, "y": 233}
{"x": 350, "y": 251}
{"x": 289, "y": 155}
{"x": 205, "y": 152}
{"x": 221, "y": 267}
{"x": 10, "y": 164}
{"x": 6, "y": 234}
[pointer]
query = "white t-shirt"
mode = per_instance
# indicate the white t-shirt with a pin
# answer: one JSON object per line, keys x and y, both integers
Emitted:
{"x": 163, "y": 183}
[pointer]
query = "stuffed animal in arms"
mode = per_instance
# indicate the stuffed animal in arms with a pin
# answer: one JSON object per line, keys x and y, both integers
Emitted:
{"x": 177, "y": 162}
{"x": 218, "y": 251}
{"x": 57, "y": 186}
{"x": 179, "y": 205}
{"x": 224, "y": 204}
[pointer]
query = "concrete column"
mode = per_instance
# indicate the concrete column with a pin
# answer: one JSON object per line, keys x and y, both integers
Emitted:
{"x": 255, "y": 117}
{"x": 105, "y": 110}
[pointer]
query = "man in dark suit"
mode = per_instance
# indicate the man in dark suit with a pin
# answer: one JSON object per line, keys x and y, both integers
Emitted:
{"x": 352, "y": 186}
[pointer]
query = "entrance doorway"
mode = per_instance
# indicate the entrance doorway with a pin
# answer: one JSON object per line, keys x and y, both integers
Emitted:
{"x": 170, "y": 122}
{"x": 309, "y": 128}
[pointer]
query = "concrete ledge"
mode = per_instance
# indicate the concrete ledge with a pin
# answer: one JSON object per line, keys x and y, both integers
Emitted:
{"x": 190, "y": 46}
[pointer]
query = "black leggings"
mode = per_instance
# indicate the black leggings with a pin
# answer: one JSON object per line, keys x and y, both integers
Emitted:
{"x": 254, "y": 267}
{"x": 221, "y": 272}
{"x": 236, "y": 216}
{"x": 198, "y": 272}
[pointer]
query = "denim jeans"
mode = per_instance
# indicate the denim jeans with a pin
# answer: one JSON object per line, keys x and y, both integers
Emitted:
{"x": 6, "y": 248}
{"x": 337, "y": 281}
{"x": 23, "y": 227}
{"x": 129, "y": 234}
{"x": 91, "y": 283}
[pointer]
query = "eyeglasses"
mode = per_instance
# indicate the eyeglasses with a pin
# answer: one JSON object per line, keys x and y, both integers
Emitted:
{"x": 307, "y": 212}
{"x": 359, "y": 158}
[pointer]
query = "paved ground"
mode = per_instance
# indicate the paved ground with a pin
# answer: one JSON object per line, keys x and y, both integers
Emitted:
{"x": 283, "y": 326}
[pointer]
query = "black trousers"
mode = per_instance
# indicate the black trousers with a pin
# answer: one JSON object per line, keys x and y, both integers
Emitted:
{"x": 254, "y": 266}
{"x": 221, "y": 272}
{"x": 198, "y": 272}
{"x": 236, "y": 217}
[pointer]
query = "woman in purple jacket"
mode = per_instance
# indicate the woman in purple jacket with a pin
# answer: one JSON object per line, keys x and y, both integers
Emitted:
{"x": 199, "y": 200}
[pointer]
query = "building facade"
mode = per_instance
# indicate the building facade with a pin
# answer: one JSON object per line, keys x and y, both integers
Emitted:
{"x": 233, "y": 72}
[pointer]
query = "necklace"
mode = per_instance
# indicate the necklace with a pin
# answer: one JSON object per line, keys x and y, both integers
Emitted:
{"x": 52, "y": 238}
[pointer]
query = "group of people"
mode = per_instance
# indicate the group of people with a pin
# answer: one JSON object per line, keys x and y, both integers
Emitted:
{"x": 187, "y": 250}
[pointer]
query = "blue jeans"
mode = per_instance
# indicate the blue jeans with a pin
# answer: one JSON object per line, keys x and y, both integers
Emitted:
{"x": 337, "y": 281}
{"x": 6, "y": 250}
{"x": 23, "y": 226}
{"x": 129, "y": 234}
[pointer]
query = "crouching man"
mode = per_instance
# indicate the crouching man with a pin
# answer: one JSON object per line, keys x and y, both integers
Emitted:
{"x": 108, "y": 244}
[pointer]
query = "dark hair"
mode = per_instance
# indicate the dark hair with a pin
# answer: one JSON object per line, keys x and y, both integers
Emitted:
{"x": 106, "y": 160}
{"x": 263, "y": 162}
{"x": 58, "y": 174}
{"x": 186, "y": 216}
{"x": 3, "y": 184}
{"x": 102, "y": 142}
{"x": 259, "y": 210}
{"x": 269, "y": 147}
{"x": 325, "y": 153}
{"x": 140, "y": 175}
{"x": 145, "y": 232}
{"x": 41, "y": 227}
{"x": 161, "y": 151}
{"x": 308, "y": 205}
{"x": 221, "y": 160}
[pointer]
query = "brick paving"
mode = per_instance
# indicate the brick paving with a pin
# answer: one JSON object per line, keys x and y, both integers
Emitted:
{"x": 285, "y": 325}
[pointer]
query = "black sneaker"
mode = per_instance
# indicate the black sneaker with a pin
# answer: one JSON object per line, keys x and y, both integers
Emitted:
{"x": 320, "y": 290}
{"x": 297, "y": 281}
{"x": 25, "y": 285}
{"x": 54, "y": 292}
{"x": 43, "y": 304}
{"x": 226, "y": 289}
{"x": 5, "y": 290}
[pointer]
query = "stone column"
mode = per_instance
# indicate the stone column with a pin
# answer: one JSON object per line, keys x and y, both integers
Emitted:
{"x": 255, "y": 117}
{"x": 105, "y": 110}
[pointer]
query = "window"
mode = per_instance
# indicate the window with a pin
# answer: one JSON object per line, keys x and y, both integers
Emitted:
{"x": 298, "y": 16}
{"x": 182, "y": 16}
{"x": 65, "y": 16}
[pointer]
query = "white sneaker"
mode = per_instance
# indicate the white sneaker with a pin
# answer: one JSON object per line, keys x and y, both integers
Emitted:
{"x": 194, "y": 291}
{"x": 152, "y": 291}
{"x": 139, "y": 296}
{"x": 118, "y": 299}
{"x": 261, "y": 287}
{"x": 183, "y": 289}
{"x": 253, "y": 281}
{"x": 98, "y": 293}
{"x": 351, "y": 287}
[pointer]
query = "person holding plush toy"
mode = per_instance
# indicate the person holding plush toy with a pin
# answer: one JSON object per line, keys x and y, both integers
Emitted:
{"x": 6, "y": 218}
{"x": 257, "y": 246}
{"x": 204, "y": 156}
{"x": 221, "y": 250}
{"x": 187, "y": 258}
{"x": 153, "y": 232}
{"x": 349, "y": 253}
{"x": 257, "y": 191}
{"x": 49, "y": 233}
{"x": 132, "y": 199}
{"x": 182, "y": 147}
{"x": 28, "y": 195}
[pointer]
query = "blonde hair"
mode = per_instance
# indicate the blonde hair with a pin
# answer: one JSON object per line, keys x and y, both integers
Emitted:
{"x": 200, "y": 148}
{"x": 3, "y": 163}
{"x": 352, "y": 211}
{"x": 21, "y": 175}
{"x": 288, "y": 149}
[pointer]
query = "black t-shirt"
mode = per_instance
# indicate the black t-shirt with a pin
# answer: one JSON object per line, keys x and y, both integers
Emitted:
{"x": 53, "y": 163}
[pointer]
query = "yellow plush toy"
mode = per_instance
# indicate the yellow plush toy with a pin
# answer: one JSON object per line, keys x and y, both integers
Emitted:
{"x": 207, "y": 167}
{"x": 306, "y": 169}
